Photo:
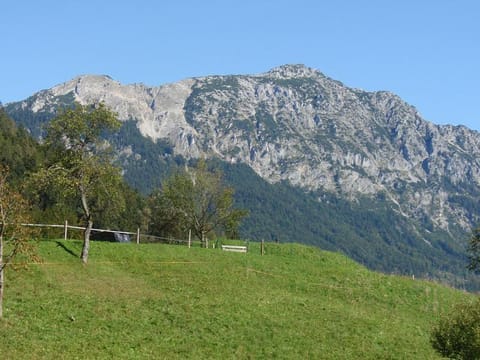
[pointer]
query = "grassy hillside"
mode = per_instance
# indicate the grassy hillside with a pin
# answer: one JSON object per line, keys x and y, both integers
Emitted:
{"x": 370, "y": 231}
{"x": 161, "y": 301}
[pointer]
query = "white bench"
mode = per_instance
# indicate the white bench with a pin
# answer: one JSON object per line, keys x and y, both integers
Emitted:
{"x": 235, "y": 248}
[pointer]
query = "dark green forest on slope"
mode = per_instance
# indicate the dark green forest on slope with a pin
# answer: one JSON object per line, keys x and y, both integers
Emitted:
{"x": 19, "y": 151}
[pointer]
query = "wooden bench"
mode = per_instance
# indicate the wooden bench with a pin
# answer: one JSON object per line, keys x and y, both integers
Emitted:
{"x": 234, "y": 248}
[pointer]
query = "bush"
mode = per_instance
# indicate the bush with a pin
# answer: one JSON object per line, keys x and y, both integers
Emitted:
{"x": 457, "y": 335}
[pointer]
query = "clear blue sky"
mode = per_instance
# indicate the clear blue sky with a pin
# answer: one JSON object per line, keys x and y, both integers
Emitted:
{"x": 426, "y": 51}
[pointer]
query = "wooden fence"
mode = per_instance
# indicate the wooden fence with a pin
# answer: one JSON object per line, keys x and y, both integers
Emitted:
{"x": 146, "y": 238}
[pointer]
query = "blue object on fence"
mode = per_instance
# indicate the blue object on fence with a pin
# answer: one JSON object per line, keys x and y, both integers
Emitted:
{"x": 112, "y": 236}
{"x": 121, "y": 237}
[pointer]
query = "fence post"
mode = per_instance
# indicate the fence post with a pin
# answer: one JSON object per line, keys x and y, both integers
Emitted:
{"x": 189, "y": 238}
{"x": 138, "y": 236}
{"x": 65, "y": 230}
{"x": 262, "y": 247}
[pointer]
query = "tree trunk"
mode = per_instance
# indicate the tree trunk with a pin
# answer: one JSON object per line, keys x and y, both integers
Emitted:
{"x": 88, "y": 228}
{"x": 86, "y": 241}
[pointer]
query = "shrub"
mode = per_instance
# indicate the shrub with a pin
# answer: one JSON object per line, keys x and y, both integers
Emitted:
{"x": 457, "y": 335}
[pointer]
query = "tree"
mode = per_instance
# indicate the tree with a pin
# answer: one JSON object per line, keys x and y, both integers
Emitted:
{"x": 195, "y": 200}
{"x": 80, "y": 166}
{"x": 474, "y": 251}
{"x": 457, "y": 335}
{"x": 13, "y": 212}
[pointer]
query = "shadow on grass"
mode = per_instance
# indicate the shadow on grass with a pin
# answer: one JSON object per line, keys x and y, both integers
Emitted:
{"x": 66, "y": 249}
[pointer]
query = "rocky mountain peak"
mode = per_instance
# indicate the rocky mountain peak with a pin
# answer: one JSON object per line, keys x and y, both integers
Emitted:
{"x": 83, "y": 84}
{"x": 293, "y": 71}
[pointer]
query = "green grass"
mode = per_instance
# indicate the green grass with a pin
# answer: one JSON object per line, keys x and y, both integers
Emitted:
{"x": 167, "y": 302}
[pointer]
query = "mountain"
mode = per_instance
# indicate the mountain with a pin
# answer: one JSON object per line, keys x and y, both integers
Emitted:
{"x": 356, "y": 154}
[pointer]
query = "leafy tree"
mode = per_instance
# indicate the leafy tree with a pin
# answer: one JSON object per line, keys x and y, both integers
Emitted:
{"x": 196, "y": 200}
{"x": 127, "y": 218}
{"x": 80, "y": 167}
{"x": 13, "y": 212}
{"x": 457, "y": 335}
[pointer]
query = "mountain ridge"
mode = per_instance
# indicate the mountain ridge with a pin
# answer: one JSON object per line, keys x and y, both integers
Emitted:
{"x": 242, "y": 118}
{"x": 295, "y": 125}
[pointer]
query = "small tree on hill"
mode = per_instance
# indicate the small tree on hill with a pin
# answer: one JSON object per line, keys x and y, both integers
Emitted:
{"x": 80, "y": 166}
{"x": 14, "y": 238}
{"x": 457, "y": 335}
{"x": 195, "y": 200}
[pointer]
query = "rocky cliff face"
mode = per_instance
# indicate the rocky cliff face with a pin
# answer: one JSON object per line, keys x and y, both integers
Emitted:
{"x": 293, "y": 123}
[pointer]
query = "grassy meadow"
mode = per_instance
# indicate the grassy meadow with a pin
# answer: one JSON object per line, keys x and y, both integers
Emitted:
{"x": 153, "y": 301}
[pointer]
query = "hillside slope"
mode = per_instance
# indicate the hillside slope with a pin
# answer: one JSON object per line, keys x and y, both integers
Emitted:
{"x": 160, "y": 301}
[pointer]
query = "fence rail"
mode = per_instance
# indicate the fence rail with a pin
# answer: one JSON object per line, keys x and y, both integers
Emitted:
{"x": 137, "y": 234}
{"x": 147, "y": 238}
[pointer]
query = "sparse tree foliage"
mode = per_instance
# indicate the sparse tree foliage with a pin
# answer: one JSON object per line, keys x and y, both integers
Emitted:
{"x": 195, "y": 200}
{"x": 14, "y": 238}
{"x": 80, "y": 167}
{"x": 457, "y": 335}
